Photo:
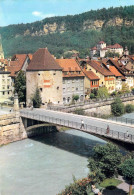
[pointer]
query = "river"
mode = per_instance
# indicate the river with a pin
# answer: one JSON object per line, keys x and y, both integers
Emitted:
{"x": 44, "y": 165}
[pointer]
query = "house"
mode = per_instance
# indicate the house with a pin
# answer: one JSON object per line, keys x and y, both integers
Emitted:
{"x": 44, "y": 73}
{"x": 5, "y": 86}
{"x": 101, "y": 49}
{"x": 119, "y": 78}
{"x": 128, "y": 76}
{"x": 73, "y": 80}
{"x": 91, "y": 81}
{"x": 106, "y": 77}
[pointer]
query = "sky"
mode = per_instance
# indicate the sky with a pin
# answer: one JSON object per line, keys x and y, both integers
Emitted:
{"x": 27, "y": 11}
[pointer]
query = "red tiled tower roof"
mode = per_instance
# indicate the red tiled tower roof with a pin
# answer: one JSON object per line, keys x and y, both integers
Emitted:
{"x": 42, "y": 60}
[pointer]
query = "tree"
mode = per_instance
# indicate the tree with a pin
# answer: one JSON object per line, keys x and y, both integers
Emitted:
{"x": 20, "y": 86}
{"x": 117, "y": 107}
{"x": 125, "y": 88}
{"x": 111, "y": 54}
{"x": 75, "y": 97}
{"x": 37, "y": 99}
{"x": 104, "y": 162}
{"x": 102, "y": 92}
{"x": 127, "y": 169}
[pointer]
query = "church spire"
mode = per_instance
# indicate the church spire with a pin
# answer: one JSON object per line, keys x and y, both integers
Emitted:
{"x": 1, "y": 49}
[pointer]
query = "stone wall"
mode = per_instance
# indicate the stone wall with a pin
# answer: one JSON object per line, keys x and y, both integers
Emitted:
{"x": 101, "y": 106}
{"x": 11, "y": 128}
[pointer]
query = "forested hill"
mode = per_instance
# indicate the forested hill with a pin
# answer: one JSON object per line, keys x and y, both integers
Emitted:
{"x": 78, "y": 32}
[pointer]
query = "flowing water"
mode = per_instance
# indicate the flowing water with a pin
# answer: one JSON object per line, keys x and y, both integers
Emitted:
{"x": 44, "y": 165}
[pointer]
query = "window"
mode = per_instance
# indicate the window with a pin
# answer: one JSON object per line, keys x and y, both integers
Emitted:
{"x": 68, "y": 99}
{"x": 40, "y": 89}
{"x": 3, "y": 93}
{"x": 76, "y": 89}
{"x": 8, "y": 86}
{"x": 54, "y": 73}
{"x": 8, "y": 92}
{"x": 58, "y": 88}
{"x": 63, "y": 81}
{"x": 39, "y": 74}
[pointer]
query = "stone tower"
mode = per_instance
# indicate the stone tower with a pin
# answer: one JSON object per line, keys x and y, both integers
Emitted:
{"x": 1, "y": 49}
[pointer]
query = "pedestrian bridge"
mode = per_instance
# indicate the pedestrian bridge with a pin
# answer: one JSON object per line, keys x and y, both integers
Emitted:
{"x": 118, "y": 131}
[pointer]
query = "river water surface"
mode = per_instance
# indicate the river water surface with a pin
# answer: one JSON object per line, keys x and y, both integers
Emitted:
{"x": 44, "y": 165}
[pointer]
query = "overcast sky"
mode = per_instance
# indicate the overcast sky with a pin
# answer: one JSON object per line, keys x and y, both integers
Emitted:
{"x": 27, "y": 11}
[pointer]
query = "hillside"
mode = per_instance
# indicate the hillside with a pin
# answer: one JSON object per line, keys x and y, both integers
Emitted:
{"x": 79, "y": 32}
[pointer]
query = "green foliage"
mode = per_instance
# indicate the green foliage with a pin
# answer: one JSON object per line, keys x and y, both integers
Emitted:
{"x": 79, "y": 111}
{"x": 20, "y": 86}
{"x": 104, "y": 162}
{"x": 79, "y": 187}
{"x": 75, "y": 97}
{"x": 37, "y": 99}
{"x": 92, "y": 95}
{"x": 74, "y": 37}
{"x": 127, "y": 169}
{"x": 102, "y": 92}
{"x": 111, "y": 54}
{"x": 129, "y": 108}
{"x": 114, "y": 93}
{"x": 110, "y": 182}
{"x": 94, "y": 91}
{"x": 117, "y": 107}
{"x": 125, "y": 88}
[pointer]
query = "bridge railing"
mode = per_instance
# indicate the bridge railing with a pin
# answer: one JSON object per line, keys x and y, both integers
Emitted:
{"x": 77, "y": 125}
{"x": 97, "y": 115}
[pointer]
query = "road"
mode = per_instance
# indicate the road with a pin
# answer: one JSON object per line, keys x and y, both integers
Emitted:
{"x": 100, "y": 123}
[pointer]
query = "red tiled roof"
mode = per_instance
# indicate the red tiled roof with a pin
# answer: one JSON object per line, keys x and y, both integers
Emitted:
{"x": 100, "y": 69}
{"x": 116, "y": 46}
{"x": 109, "y": 79}
{"x": 115, "y": 71}
{"x": 4, "y": 61}
{"x": 105, "y": 48}
{"x": 13, "y": 70}
{"x": 70, "y": 66}
{"x": 16, "y": 63}
{"x": 18, "y": 59}
{"x": 43, "y": 60}
{"x": 93, "y": 48}
{"x": 91, "y": 75}
{"x": 101, "y": 42}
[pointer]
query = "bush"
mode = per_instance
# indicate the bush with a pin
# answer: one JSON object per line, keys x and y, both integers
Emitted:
{"x": 102, "y": 92}
{"x": 79, "y": 111}
{"x": 75, "y": 97}
{"x": 132, "y": 90}
{"x": 78, "y": 187}
{"x": 92, "y": 96}
{"x": 117, "y": 107}
{"x": 114, "y": 93}
{"x": 129, "y": 108}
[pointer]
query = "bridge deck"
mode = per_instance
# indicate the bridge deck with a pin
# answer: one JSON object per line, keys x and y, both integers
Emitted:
{"x": 91, "y": 125}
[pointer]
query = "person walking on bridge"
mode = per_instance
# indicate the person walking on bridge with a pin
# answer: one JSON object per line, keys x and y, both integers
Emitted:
{"x": 107, "y": 130}
{"x": 82, "y": 124}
